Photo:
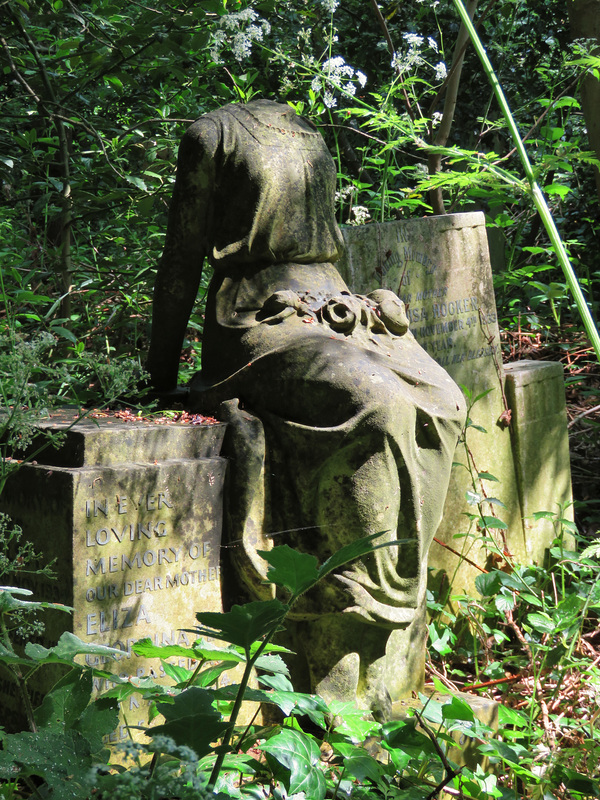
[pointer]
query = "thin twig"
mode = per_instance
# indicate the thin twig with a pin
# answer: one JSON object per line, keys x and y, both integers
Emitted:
{"x": 584, "y": 414}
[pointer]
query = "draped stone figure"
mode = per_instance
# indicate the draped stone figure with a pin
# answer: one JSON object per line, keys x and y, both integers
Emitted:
{"x": 340, "y": 424}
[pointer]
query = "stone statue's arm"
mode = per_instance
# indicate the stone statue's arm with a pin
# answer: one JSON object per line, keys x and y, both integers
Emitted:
{"x": 180, "y": 267}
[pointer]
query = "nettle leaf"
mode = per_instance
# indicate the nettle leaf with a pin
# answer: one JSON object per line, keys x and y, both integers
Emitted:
{"x": 210, "y": 675}
{"x": 280, "y": 682}
{"x": 504, "y": 602}
{"x": 300, "y": 755}
{"x": 147, "y": 648}
{"x": 62, "y": 759}
{"x": 541, "y": 622}
{"x": 178, "y": 675}
{"x": 488, "y": 583}
{"x": 191, "y": 721}
{"x": 290, "y": 569}
{"x": 243, "y": 625}
{"x": 492, "y": 522}
{"x": 67, "y": 700}
{"x": 98, "y": 719}
{"x": 272, "y": 663}
{"x": 8, "y": 657}
{"x": 67, "y": 648}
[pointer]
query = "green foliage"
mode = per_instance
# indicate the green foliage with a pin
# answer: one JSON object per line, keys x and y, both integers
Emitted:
{"x": 98, "y": 96}
{"x": 199, "y": 750}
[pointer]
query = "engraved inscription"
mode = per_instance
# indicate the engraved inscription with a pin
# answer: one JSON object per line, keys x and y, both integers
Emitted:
{"x": 451, "y": 327}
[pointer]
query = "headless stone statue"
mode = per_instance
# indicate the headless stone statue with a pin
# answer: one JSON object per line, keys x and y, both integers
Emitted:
{"x": 340, "y": 424}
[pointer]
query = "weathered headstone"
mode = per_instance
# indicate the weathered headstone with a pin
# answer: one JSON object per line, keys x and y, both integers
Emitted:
{"x": 132, "y": 514}
{"x": 440, "y": 267}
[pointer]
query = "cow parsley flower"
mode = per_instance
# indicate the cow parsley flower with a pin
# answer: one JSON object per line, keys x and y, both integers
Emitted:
{"x": 403, "y": 61}
{"x": 240, "y": 30}
{"x": 336, "y": 75}
{"x": 361, "y": 215}
{"x": 440, "y": 71}
{"x": 241, "y": 45}
{"x": 328, "y": 99}
{"x": 413, "y": 39}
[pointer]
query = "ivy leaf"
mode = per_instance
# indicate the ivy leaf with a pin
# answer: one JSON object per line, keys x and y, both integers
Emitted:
{"x": 298, "y": 753}
{"x": 297, "y": 703}
{"x": 358, "y": 763}
{"x": 404, "y": 735}
{"x": 191, "y": 721}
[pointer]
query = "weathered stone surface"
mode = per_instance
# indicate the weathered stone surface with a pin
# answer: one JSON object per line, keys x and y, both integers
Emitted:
{"x": 137, "y": 544}
{"x": 106, "y": 440}
{"x": 440, "y": 268}
{"x": 346, "y": 424}
{"x": 536, "y": 395}
{"x": 466, "y": 752}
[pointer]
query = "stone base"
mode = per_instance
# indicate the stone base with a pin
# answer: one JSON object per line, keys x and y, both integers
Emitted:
{"x": 132, "y": 514}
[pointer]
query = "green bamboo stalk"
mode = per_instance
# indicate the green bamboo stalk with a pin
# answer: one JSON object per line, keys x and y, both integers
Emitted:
{"x": 536, "y": 193}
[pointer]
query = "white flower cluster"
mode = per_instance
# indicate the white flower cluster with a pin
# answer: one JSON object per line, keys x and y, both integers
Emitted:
{"x": 440, "y": 72}
{"x": 344, "y": 194}
{"x": 361, "y": 215}
{"x": 330, "y": 5}
{"x": 411, "y": 56}
{"x": 337, "y": 75}
{"x": 240, "y": 30}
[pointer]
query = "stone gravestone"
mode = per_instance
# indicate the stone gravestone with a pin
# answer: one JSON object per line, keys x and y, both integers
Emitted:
{"x": 440, "y": 267}
{"x": 132, "y": 514}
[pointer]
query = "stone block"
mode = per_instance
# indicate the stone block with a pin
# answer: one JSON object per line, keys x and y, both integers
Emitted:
{"x": 536, "y": 395}
{"x": 132, "y": 514}
{"x": 440, "y": 268}
{"x": 465, "y": 753}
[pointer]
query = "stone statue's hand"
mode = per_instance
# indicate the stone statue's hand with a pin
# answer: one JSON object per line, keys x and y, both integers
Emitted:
{"x": 391, "y": 311}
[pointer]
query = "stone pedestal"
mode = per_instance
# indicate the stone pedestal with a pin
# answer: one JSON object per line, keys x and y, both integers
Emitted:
{"x": 132, "y": 514}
